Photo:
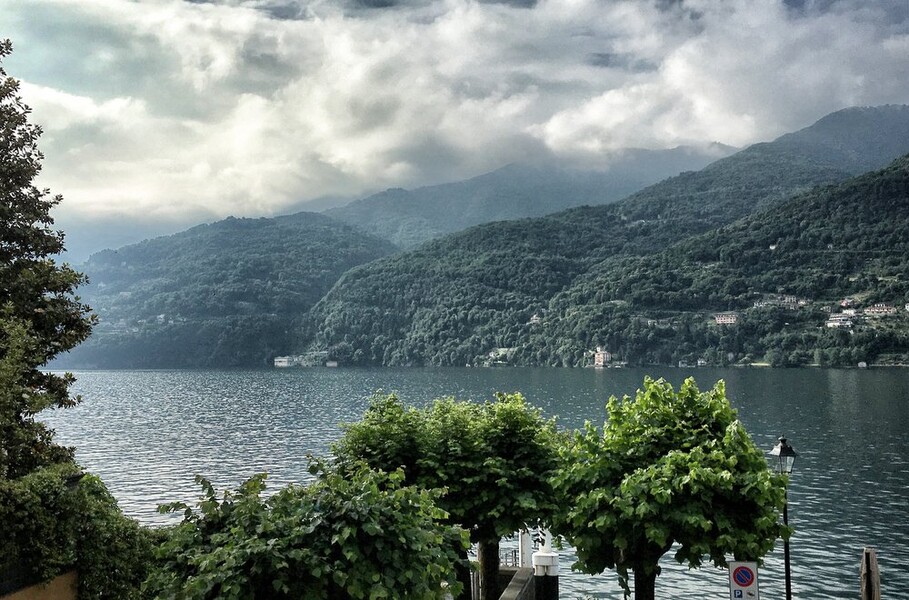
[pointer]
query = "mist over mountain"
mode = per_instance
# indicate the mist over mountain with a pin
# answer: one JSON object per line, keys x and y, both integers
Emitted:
{"x": 857, "y": 139}
{"x": 764, "y": 173}
{"x": 410, "y": 217}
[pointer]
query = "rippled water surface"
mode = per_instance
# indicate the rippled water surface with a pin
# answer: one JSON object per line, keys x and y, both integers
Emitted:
{"x": 147, "y": 433}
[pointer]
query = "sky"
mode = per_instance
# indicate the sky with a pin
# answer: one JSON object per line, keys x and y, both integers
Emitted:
{"x": 163, "y": 113}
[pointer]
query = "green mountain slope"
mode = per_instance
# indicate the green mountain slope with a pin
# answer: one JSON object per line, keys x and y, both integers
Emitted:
{"x": 410, "y": 217}
{"x": 465, "y": 296}
{"x": 223, "y": 294}
{"x": 857, "y": 140}
{"x": 845, "y": 143}
{"x": 442, "y": 302}
{"x": 783, "y": 272}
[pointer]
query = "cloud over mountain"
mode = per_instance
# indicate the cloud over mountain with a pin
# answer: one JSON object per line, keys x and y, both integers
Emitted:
{"x": 189, "y": 110}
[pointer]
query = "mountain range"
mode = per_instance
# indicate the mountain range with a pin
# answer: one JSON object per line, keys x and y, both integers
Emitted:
{"x": 496, "y": 288}
{"x": 641, "y": 277}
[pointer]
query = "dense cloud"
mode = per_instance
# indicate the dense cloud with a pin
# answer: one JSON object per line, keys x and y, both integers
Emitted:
{"x": 190, "y": 110}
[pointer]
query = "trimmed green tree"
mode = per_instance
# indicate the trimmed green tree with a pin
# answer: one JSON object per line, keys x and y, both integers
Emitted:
{"x": 667, "y": 468}
{"x": 360, "y": 535}
{"x": 48, "y": 522}
{"x": 494, "y": 460}
{"x": 41, "y": 316}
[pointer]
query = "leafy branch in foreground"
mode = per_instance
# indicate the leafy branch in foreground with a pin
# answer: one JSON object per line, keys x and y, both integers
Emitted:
{"x": 361, "y": 535}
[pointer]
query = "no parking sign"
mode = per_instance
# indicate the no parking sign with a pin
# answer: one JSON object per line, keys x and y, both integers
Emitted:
{"x": 743, "y": 581}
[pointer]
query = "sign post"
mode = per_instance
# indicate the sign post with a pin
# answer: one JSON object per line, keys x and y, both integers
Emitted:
{"x": 743, "y": 581}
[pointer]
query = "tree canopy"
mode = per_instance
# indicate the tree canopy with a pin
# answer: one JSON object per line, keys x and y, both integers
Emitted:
{"x": 666, "y": 468}
{"x": 225, "y": 294}
{"x": 494, "y": 460}
{"x": 40, "y": 316}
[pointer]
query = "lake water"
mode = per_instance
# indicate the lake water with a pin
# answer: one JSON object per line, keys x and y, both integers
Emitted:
{"x": 147, "y": 433}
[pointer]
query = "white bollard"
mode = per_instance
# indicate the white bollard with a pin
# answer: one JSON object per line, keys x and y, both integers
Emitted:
{"x": 546, "y": 571}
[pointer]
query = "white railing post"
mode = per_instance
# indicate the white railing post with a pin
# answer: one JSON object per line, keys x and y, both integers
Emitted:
{"x": 525, "y": 549}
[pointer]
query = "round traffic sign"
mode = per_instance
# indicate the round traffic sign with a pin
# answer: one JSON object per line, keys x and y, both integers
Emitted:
{"x": 743, "y": 576}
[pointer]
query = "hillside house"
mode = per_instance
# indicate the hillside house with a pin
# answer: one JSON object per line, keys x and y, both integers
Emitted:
{"x": 726, "y": 318}
{"x": 840, "y": 320}
{"x": 880, "y": 310}
{"x": 499, "y": 356}
{"x": 785, "y": 301}
{"x": 601, "y": 357}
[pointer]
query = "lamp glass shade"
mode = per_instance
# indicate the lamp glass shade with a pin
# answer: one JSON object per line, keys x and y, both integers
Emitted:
{"x": 786, "y": 463}
{"x": 786, "y": 455}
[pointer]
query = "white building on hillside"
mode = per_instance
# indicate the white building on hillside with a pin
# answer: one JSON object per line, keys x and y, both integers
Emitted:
{"x": 726, "y": 318}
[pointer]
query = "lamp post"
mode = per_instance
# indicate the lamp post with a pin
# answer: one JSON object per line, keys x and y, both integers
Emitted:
{"x": 786, "y": 454}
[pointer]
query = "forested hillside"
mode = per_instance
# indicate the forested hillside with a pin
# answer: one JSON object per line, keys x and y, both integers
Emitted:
{"x": 820, "y": 279}
{"x": 411, "y": 217}
{"x": 489, "y": 294}
{"x": 223, "y": 294}
{"x": 446, "y": 301}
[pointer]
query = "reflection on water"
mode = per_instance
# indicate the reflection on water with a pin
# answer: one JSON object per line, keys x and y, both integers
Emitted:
{"x": 147, "y": 433}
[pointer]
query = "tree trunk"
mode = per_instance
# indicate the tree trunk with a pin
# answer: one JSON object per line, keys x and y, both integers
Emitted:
{"x": 645, "y": 582}
{"x": 488, "y": 553}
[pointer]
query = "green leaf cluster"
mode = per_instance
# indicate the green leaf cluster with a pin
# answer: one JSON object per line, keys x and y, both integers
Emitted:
{"x": 47, "y": 525}
{"x": 25, "y": 443}
{"x": 362, "y": 534}
{"x": 667, "y": 468}
{"x": 39, "y": 522}
{"x": 493, "y": 459}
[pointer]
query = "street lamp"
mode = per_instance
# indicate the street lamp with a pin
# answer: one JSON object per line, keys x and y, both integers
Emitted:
{"x": 786, "y": 454}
